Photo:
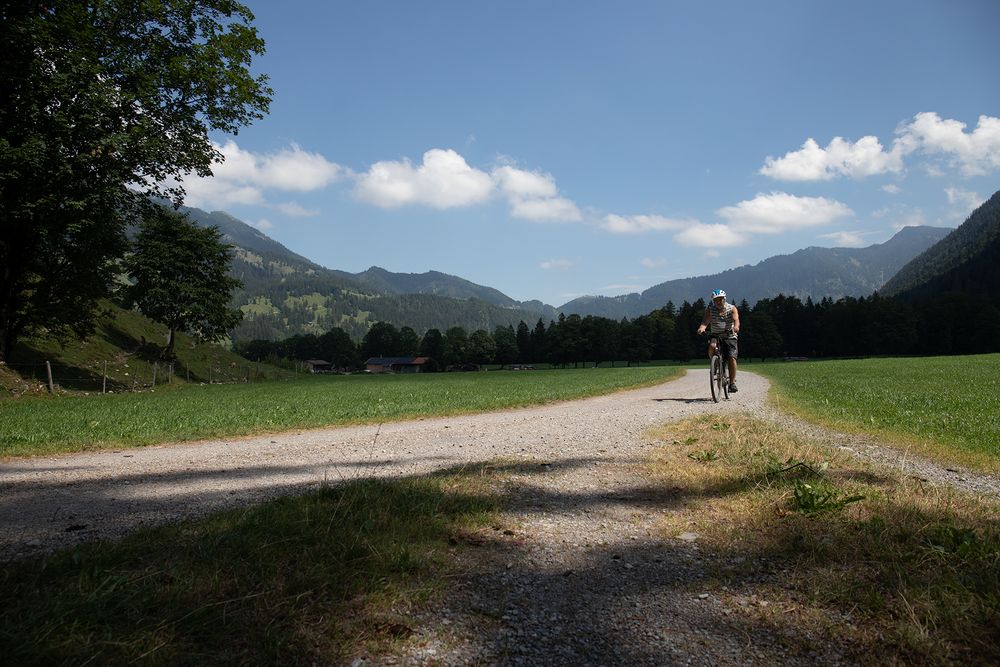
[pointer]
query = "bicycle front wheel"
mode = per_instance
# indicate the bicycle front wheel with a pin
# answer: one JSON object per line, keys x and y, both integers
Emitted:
{"x": 715, "y": 377}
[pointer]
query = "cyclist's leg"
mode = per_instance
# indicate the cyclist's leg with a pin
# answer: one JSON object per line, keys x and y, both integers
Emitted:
{"x": 732, "y": 353}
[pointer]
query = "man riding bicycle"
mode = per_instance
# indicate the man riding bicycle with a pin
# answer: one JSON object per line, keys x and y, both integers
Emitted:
{"x": 723, "y": 320}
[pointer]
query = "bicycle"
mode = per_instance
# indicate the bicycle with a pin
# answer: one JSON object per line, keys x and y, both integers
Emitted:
{"x": 718, "y": 371}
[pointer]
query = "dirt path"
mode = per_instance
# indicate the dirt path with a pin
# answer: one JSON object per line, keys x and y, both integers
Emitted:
{"x": 585, "y": 579}
{"x": 52, "y": 502}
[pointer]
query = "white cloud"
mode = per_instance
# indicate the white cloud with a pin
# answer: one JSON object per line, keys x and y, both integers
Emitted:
{"x": 244, "y": 176}
{"x": 865, "y": 157}
{"x": 212, "y": 193}
{"x": 892, "y": 189}
{"x": 963, "y": 199}
{"x": 558, "y": 264}
{"x": 534, "y": 196}
{"x": 264, "y": 224}
{"x": 622, "y": 288}
{"x": 909, "y": 218}
{"x": 524, "y": 184}
{"x": 709, "y": 236}
{"x": 295, "y": 210}
{"x": 846, "y": 239}
{"x": 651, "y": 263}
{"x": 638, "y": 224}
{"x": 557, "y": 209}
{"x": 712, "y": 254}
{"x": 975, "y": 153}
{"x": 779, "y": 211}
{"x": 443, "y": 180}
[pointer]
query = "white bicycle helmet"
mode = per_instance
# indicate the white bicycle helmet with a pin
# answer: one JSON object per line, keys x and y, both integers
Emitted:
{"x": 718, "y": 292}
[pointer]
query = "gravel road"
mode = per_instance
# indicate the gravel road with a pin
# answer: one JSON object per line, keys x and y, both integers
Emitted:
{"x": 586, "y": 579}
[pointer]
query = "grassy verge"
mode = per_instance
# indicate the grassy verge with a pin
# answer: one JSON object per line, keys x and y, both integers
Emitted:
{"x": 123, "y": 354}
{"x": 898, "y": 571}
{"x": 947, "y": 408}
{"x": 310, "y": 580}
{"x": 47, "y": 425}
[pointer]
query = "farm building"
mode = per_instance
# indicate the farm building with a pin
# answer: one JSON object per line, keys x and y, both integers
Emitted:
{"x": 318, "y": 366}
{"x": 396, "y": 364}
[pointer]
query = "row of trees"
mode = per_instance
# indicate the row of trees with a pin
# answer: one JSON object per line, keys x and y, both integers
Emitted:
{"x": 783, "y": 326}
{"x": 667, "y": 333}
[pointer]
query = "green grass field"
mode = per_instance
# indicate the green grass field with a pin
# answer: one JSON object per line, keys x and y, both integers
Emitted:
{"x": 33, "y": 426}
{"x": 941, "y": 405}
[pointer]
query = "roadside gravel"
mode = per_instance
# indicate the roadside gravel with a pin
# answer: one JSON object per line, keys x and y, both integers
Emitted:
{"x": 578, "y": 573}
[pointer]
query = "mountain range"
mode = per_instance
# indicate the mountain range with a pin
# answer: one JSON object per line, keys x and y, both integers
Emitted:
{"x": 811, "y": 272}
{"x": 285, "y": 293}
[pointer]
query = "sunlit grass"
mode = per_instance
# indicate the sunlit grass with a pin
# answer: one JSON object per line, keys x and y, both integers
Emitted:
{"x": 945, "y": 407}
{"x": 73, "y": 423}
{"x": 907, "y": 574}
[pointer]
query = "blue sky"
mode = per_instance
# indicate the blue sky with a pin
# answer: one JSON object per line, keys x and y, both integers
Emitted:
{"x": 555, "y": 149}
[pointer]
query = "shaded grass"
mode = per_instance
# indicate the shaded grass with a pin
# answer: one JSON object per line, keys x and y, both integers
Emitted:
{"x": 128, "y": 348}
{"x": 944, "y": 407}
{"x": 74, "y": 423}
{"x": 308, "y": 580}
{"x": 907, "y": 574}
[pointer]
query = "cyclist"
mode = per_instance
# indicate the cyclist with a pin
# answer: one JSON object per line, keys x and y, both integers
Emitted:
{"x": 723, "y": 320}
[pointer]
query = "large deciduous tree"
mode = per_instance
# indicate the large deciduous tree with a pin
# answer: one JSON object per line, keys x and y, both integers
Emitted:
{"x": 102, "y": 104}
{"x": 180, "y": 277}
{"x": 382, "y": 340}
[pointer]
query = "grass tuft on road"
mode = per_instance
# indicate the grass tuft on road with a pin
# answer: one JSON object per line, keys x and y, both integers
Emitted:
{"x": 318, "y": 579}
{"x": 894, "y": 569}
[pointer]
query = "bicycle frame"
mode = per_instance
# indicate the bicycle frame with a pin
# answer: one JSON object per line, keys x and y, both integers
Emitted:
{"x": 718, "y": 370}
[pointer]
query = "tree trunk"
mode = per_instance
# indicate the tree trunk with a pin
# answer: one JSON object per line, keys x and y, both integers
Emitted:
{"x": 168, "y": 351}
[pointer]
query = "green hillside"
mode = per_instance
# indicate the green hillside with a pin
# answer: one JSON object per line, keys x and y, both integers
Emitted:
{"x": 126, "y": 347}
{"x": 966, "y": 261}
{"x": 284, "y": 294}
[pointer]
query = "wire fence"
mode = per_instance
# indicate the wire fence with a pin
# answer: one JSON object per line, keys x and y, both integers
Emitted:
{"x": 104, "y": 376}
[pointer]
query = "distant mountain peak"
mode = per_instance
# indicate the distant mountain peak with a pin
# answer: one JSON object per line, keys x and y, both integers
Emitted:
{"x": 966, "y": 260}
{"x": 814, "y": 272}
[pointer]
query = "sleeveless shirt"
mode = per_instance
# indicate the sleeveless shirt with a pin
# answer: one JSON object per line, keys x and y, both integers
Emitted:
{"x": 722, "y": 320}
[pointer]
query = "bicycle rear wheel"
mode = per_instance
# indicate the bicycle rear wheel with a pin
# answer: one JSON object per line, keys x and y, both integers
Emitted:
{"x": 715, "y": 377}
{"x": 724, "y": 379}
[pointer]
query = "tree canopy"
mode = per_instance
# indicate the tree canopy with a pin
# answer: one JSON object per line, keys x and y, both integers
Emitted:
{"x": 180, "y": 274}
{"x": 104, "y": 103}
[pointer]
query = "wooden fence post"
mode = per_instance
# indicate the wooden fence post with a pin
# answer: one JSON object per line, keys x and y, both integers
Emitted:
{"x": 156, "y": 366}
{"x": 104, "y": 380}
{"x": 48, "y": 370}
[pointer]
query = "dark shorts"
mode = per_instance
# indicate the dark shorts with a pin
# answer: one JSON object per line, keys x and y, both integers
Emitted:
{"x": 730, "y": 348}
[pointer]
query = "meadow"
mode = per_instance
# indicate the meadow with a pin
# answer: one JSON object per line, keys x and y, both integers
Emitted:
{"x": 45, "y": 425}
{"x": 946, "y": 407}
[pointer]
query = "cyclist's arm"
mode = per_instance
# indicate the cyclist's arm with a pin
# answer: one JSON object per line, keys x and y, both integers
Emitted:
{"x": 736, "y": 320}
{"x": 705, "y": 320}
